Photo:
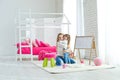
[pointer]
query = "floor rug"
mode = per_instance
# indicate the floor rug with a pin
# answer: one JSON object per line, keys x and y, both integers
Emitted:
{"x": 71, "y": 68}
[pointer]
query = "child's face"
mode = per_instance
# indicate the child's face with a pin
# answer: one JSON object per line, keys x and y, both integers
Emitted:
{"x": 65, "y": 38}
{"x": 60, "y": 37}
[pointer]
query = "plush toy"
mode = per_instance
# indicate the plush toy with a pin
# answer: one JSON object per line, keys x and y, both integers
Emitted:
{"x": 97, "y": 61}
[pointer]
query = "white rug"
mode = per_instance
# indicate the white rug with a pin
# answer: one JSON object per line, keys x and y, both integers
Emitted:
{"x": 71, "y": 68}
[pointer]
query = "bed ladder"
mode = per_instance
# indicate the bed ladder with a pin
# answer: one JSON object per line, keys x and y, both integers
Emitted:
{"x": 24, "y": 28}
{"x": 21, "y": 38}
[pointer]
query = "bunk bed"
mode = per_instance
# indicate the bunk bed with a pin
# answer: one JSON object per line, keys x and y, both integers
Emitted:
{"x": 36, "y": 27}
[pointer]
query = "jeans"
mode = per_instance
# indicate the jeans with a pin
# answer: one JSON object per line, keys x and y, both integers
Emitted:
{"x": 67, "y": 59}
{"x": 59, "y": 60}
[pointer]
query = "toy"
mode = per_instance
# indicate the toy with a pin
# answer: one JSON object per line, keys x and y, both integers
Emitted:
{"x": 82, "y": 61}
{"x": 97, "y": 61}
{"x": 51, "y": 57}
{"x": 41, "y": 55}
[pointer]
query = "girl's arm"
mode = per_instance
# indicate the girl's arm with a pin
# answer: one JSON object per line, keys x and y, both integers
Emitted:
{"x": 67, "y": 50}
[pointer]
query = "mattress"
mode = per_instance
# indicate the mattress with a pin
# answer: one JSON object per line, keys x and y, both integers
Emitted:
{"x": 36, "y": 50}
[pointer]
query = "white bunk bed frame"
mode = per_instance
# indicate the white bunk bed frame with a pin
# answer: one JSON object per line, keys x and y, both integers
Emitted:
{"x": 21, "y": 28}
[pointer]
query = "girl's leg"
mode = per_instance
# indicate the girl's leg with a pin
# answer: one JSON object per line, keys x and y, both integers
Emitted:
{"x": 66, "y": 57}
{"x": 71, "y": 61}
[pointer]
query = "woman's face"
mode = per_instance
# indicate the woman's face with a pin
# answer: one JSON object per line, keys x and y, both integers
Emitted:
{"x": 60, "y": 37}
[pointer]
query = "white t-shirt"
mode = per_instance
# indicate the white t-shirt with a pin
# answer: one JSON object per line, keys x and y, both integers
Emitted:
{"x": 61, "y": 45}
{"x": 59, "y": 49}
{"x": 65, "y": 44}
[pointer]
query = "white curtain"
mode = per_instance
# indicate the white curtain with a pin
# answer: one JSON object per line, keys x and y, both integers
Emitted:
{"x": 69, "y": 8}
{"x": 109, "y": 30}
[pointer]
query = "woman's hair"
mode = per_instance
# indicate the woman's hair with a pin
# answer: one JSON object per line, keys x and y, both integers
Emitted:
{"x": 68, "y": 38}
{"x": 58, "y": 36}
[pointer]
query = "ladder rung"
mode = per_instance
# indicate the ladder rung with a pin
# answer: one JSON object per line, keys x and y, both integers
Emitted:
{"x": 22, "y": 38}
{"x": 25, "y": 46}
{"x": 24, "y": 28}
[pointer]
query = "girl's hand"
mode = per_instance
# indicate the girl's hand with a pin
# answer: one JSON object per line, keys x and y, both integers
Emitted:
{"x": 65, "y": 51}
{"x": 71, "y": 55}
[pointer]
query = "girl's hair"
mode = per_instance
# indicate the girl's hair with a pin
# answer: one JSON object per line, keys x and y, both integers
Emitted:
{"x": 58, "y": 36}
{"x": 68, "y": 38}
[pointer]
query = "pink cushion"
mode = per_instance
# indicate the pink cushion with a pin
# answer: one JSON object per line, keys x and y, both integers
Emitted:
{"x": 34, "y": 44}
{"x": 27, "y": 40}
{"x": 38, "y": 43}
{"x": 41, "y": 55}
{"x": 44, "y": 54}
{"x": 44, "y": 44}
{"x": 50, "y": 55}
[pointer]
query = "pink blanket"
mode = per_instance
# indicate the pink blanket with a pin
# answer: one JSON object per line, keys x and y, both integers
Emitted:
{"x": 36, "y": 50}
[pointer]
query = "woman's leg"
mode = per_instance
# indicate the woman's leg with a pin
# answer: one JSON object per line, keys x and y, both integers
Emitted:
{"x": 59, "y": 60}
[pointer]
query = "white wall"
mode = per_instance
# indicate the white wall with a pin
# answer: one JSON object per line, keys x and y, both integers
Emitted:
{"x": 8, "y": 9}
{"x": 51, "y": 35}
{"x": 59, "y": 7}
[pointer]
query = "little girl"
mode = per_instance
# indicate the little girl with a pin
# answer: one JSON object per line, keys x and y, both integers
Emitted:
{"x": 67, "y": 50}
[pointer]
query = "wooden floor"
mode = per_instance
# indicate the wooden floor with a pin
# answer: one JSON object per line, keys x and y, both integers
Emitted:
{"x": 12, "y": 70}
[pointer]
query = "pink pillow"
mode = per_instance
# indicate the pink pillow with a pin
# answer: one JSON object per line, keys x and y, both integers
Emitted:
{"x": 38, "y": 42}
{"x": 27, "y": 40}
{"x": 44, "y": 44}
{"x": 34, "y": 44}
